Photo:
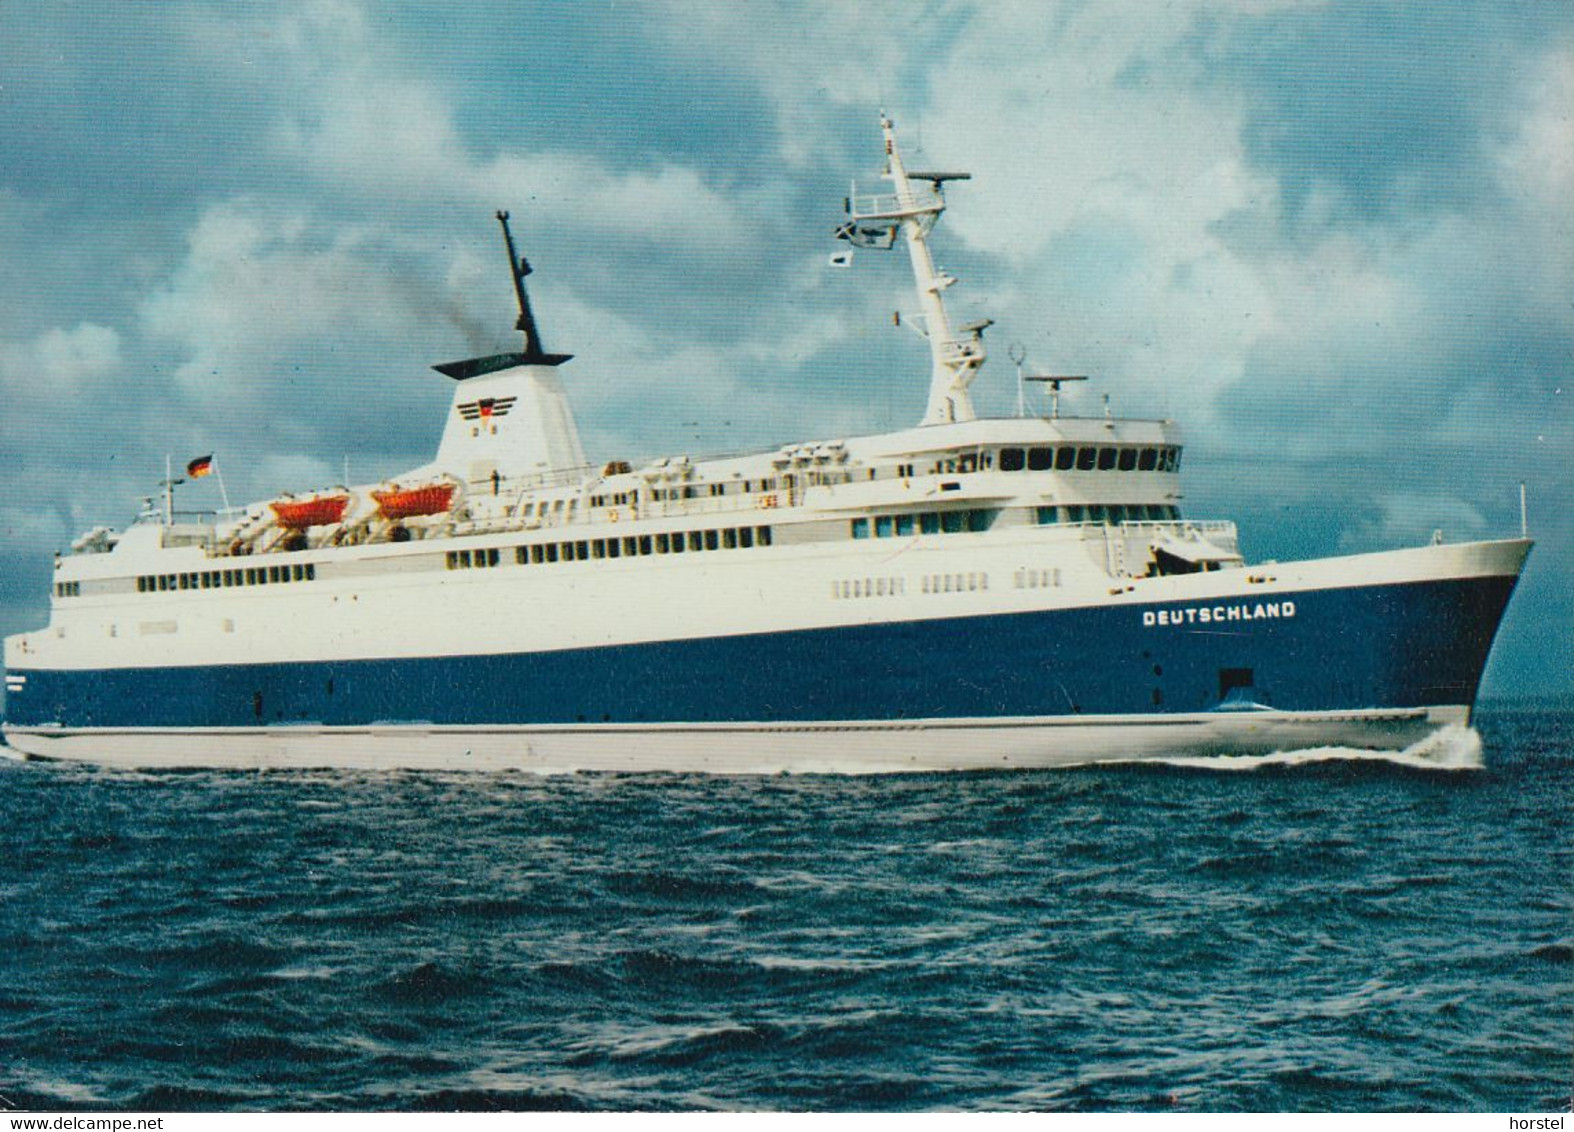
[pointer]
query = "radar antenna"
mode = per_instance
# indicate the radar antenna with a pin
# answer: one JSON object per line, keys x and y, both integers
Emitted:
{"x": 1053, "y": 380}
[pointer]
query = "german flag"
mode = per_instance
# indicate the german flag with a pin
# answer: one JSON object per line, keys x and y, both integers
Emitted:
{"x": 200, "y": 467}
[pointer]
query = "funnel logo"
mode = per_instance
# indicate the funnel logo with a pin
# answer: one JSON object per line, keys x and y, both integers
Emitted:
{"x": 486, "y": 408}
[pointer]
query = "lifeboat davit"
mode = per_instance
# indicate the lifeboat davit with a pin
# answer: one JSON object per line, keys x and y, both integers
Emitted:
{"x": 317, "y": 511}
{"x": 410, "y": 502}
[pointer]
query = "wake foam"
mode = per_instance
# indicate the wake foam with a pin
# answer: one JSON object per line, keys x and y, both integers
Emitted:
{"x": 1451, "y": 748}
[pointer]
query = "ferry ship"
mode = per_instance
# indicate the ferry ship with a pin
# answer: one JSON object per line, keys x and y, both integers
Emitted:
{"x": 968, "y": 593}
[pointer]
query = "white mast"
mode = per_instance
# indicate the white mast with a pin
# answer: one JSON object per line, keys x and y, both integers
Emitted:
{"x": 874, "y": 222}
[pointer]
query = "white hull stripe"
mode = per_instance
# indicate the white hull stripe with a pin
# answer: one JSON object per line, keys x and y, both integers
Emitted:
{"x": 861, "y": 747}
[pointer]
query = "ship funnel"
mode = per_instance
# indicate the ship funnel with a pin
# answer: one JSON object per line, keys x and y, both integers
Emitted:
{"x": 509, "y": 417}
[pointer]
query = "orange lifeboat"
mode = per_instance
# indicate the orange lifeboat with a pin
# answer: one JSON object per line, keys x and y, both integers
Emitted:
{"x": 410, "y": 502}
{"x": 317, "y": 511}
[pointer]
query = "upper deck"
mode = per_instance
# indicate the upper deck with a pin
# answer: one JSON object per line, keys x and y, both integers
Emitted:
{"x": 510, "y": 475}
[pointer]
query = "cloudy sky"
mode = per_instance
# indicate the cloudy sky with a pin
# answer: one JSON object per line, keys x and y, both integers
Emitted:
{"x": 1331, "y": 239}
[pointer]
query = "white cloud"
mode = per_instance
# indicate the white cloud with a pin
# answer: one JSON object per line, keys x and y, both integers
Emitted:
{"x": 1410, "y": 519}
{"x": 59, "y": 361}
{"x": 258, "y": 285}
{"x": 670, "y": 205}
{"x": 808, "y": 58}
{"x": 1537, "y": 166}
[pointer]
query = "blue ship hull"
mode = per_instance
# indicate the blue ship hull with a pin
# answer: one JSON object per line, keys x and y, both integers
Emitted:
{"x": 1411, "y": 645}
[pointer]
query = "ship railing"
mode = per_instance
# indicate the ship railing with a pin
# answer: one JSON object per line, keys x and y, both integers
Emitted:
{"x": 958, "y": 350}
{"x": 889, "y": 206}
{"x": 725, "y": 504}
{"x": 1199, "y": 526}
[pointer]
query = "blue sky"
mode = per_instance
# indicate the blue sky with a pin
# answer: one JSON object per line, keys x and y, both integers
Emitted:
{"x": 1332, "y": 240}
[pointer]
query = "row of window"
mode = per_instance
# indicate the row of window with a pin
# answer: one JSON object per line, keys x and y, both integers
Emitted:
{"x": 869, "y": 587}
{"x": 973, "y": 582}
{"x": 955, "y": 583}
{"x": 925, "y": 523}
{"x": 1091, "y": 458}
{"x": 1036, "y": 579}
{"x": 1112, "y": 513}
{"x": 981, "y": 519}
{"x": 630, "y": 546}
{"x": 224, "y": 579}
{"x": 68, "y": 589}
{"x": 616, "y": 499}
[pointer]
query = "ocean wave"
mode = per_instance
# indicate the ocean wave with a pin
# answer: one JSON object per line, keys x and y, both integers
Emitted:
{"x": 1451, "y": 748}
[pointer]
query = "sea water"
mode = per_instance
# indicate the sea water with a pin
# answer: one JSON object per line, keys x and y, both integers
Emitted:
{"x": 1316, "y": 930}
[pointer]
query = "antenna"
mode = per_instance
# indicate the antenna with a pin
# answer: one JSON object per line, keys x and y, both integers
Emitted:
{"x": 519, "y": 267}
{"x": 1053, "y": 381}
{"x": 1018, "y": 354}
{"x": 534, "y": 353}
{"x": 168, "y": 484}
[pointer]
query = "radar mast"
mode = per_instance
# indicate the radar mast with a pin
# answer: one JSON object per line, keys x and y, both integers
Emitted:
{"x": 911, "y": 210}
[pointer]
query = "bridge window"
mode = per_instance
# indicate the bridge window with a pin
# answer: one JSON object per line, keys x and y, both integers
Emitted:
{"x": 1086, "y": 459}
{"x": 1147, "y": 460}
{"x": 1128, "y": 459}
{"x": 1011, "y": 460}
{"x": 1040, "y": 459}
{"x": 1106, "y": 459}
{"x": 1065, "y": 459}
